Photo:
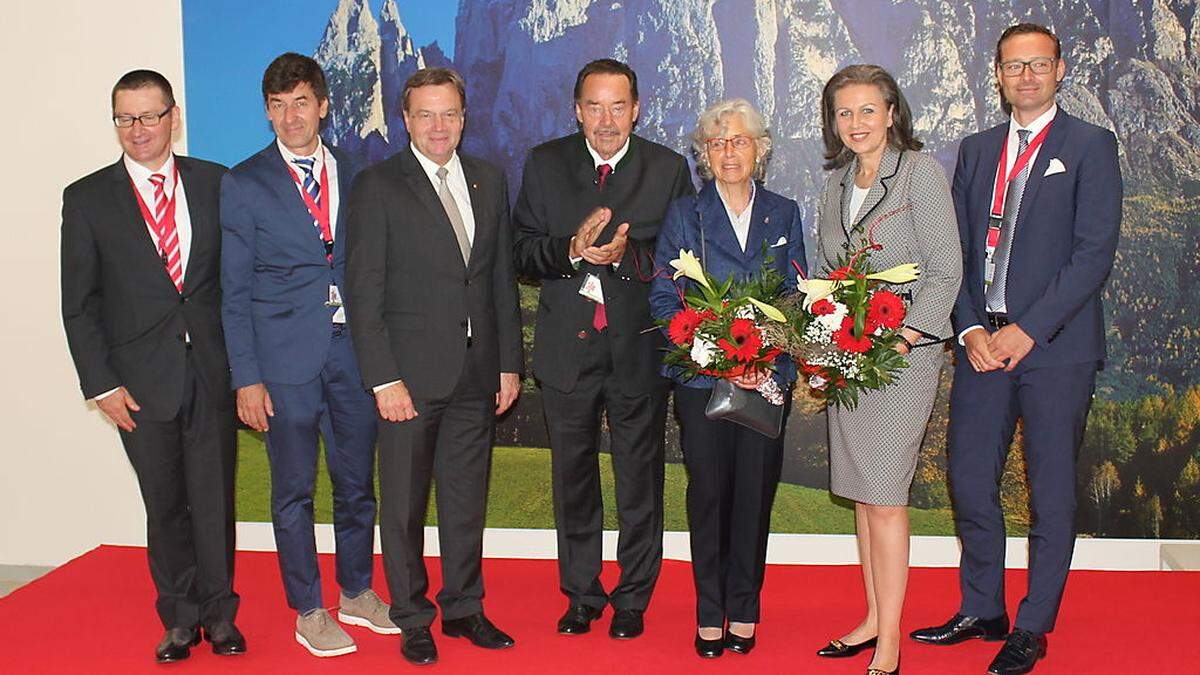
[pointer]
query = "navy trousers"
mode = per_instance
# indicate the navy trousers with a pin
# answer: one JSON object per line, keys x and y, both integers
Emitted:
{"x": 335, "y": 406}
{"x": 1053, "y": 403}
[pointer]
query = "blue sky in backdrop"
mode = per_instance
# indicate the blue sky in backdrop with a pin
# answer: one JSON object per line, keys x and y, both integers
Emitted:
{"x": 228, "y": 43}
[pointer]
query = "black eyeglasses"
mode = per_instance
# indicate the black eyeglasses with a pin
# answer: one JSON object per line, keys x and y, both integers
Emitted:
{"x": 1041, "y": 65}
{"x": 147, "y": 120}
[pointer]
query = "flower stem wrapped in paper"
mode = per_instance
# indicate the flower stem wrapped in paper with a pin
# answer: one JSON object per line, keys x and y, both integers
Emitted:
{"x": 843, "y": 329}
{"x": 720, "y": 331}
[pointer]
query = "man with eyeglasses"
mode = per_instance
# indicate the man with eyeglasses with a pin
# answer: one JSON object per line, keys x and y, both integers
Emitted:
{"x": 297, "y": 379}
{"x": 1038, "y": 200}
{"x": 587, "y": 218}
{"x": 433, "y": 302}
{"x": 141, "y": 246}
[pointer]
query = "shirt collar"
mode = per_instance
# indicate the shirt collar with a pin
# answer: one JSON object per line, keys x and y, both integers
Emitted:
{"x": 597, "y": 160}
{"x": 431, "y": 167}
{"x": 288, "y": 156}
{"x": 141, "y": 174}
{"x": 749, "y": 204}
{"x": 1035, "y": 127}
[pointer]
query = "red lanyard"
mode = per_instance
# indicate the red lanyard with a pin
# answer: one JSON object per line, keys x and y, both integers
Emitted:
{"x": 1001, "y": 188}
{"x": 159, "y": 226}
{"x": 319, "y": 212}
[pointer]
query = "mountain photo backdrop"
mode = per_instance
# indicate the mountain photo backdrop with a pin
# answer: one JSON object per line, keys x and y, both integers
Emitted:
{"x": 1133, "y": 66}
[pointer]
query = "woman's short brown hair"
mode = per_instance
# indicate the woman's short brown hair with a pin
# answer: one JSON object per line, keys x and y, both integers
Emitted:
{"x": 900, "y": 134}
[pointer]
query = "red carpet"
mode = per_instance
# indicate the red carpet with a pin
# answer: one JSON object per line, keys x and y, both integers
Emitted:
{"x": 95, "y": 615}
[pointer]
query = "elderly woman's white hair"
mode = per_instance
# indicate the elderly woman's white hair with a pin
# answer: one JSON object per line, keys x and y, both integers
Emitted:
{"x": 710, "y": 124}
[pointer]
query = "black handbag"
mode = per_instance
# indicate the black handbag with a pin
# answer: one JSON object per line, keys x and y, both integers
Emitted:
{"x": 745, "y": 407}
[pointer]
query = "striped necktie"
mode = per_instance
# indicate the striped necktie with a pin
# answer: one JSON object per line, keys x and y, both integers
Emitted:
{"x": 168, "y": 236}
{"x": 309, "y": 182}
{"x": 996, "y": 295}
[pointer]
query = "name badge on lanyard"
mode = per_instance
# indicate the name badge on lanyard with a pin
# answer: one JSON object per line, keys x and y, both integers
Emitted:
{"x": 321, "y": 219}
{"x": 1000, "y": 193}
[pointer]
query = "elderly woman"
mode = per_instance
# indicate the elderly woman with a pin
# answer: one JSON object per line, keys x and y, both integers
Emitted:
{"x": 881, "y": 188}
{"x": 734, "y": 224}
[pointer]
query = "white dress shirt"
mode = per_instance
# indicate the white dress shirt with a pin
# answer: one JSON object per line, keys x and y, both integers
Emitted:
{"x": 1035, "y": 127}
{"x": 322, "y": 157}
{"x": 858, "y": 195}
{"x": 458, "y": 187}
{"x": 183, "y": 220}
{"x": 740, "y": 221}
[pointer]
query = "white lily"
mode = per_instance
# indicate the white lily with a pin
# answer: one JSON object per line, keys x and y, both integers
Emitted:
{"x": 900, "y": 274}
{"x": 688, "y": 265}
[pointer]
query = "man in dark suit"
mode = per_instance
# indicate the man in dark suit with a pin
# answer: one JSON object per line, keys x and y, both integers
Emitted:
{"x": 141, "y": 243}
{"x": 595, "y": 347}
{"x": 282, "y": 270}
{"x": 432, "y": 300}
{"x": 1038, "y": 200}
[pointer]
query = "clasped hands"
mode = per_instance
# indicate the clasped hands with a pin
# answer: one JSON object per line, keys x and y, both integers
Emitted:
{"x": 583, "y": 244}
{"x": 989, "y": 351}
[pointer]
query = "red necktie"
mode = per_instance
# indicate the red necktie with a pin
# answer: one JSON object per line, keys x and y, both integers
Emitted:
{"x": 168, "y": 237}
{"x": 600, "y": 317}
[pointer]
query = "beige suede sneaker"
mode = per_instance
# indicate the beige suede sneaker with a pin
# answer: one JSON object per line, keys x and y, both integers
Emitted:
{"x": 321, "y": 635}
{"x": 368, "y": 611}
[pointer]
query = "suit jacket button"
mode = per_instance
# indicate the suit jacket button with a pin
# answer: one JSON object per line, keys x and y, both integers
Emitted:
{"x": 182, "y": 299}
{"x": 466, "y": 282}
{"x": 582, "y": 335}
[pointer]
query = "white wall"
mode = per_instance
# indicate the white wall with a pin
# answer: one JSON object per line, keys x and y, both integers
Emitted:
{"x": 65, "y": 485}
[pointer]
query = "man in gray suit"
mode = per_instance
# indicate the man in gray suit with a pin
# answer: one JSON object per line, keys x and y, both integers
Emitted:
{"x": 431, "y": 298}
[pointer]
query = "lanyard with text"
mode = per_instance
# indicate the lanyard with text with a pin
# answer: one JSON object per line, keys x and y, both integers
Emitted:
{"x": 1000, "y": 190}
{"x": 319, "y": 212}
{"x": 159, "y": 226}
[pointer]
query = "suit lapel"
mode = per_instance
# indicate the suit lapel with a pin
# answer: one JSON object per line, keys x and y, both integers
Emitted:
{"x": 344, "y": 184}
{"x": 128, "y": 211}
{"x": 716, "y": 230}
{"x": 760, "y": 216}
{"x": 889, "y": 166}
{"x": 279, "y": 177}
{"x": 420, "y": 185}
{"x": 1059, "y": 129}
{"x": 481, "y": 201}
{"x": 200, "y": 216}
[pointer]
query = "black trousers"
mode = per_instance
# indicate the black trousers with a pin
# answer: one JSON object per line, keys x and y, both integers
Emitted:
{"x": 450, "y": 440}
{"x": 732, "y": 475}
{"x": 185, "y": 469}
{"x": 636, "y": 428}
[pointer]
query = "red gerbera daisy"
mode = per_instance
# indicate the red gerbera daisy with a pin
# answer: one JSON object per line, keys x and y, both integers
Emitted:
{"x": 746, "y": 341}
{"x": 682, "y": 328}
{"x": 823, "y": 307}
{"x": 845, "y": 340}
{"x": 885, "y": 309}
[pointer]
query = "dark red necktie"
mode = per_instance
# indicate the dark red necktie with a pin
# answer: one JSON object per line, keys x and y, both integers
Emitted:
{"x": 600, "y": 317}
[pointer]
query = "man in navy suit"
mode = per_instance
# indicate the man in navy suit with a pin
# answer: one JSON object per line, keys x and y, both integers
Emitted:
{"x": 292, "y": 362}
{"x": 1038, "y": 200}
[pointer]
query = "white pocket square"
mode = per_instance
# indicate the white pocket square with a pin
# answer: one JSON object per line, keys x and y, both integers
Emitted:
{"x": 782, "y": 242}
{"x": 1056, "y": 166}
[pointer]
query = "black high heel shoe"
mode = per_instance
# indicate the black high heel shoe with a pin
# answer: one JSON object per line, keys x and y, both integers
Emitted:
{"x": 709, "y": 649}
{"x": 836, "y": 649}
{"x": 739, "y": 644}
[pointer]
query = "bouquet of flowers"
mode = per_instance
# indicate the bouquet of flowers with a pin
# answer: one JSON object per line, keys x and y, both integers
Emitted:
{"x": 843, "y": 329}
{"x": 720, "y": 330}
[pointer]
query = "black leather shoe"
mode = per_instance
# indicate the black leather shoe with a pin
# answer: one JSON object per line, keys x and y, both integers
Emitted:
{"x": 626, "y": 624}
{"x": 960, "y": 628}
{"x": 739, "y": 644}
{"x": 176, "y": 644}
{"x": 226, "y": 639}
{"x": 477, "y": 629}
{"x": 709, "y": 649}
{"x": 578, "y": 619}
{"x": 1019, "y": 654}
{"x": 836, "y": 649}
{"x": 416, "y": 644}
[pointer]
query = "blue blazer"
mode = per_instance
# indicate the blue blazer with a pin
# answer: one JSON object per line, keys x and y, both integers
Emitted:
{"x": 774, "y": 221}
{"x": 1064, "y": 242}
{"x": 274, "y": 274}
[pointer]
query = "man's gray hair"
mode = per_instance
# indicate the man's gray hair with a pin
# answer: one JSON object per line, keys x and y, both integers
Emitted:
{"x": 710, "y": 124}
